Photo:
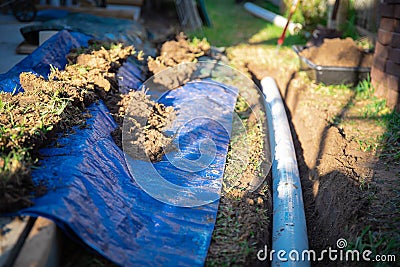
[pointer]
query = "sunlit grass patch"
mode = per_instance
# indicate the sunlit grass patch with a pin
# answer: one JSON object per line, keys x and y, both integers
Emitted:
{"x": 233, "y": 25}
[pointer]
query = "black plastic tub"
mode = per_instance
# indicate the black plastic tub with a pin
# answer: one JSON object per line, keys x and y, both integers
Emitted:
{"x": 331, "y": 75}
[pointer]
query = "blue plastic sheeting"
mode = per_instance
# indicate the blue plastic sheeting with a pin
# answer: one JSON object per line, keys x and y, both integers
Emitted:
{"x": 48, "y": 14}
{"x": 192, "y": 175}
{"x": 93, "y": 194}
{"x": 130, "y": 75}
{"x": 52, "y": 53}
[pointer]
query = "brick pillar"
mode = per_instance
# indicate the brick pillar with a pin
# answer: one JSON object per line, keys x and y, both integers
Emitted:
{"x": 385, "y": 72}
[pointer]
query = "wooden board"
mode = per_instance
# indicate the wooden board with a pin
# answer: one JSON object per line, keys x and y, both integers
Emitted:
{"x": 125, "y": 2}
{"x": 97, "y": 11}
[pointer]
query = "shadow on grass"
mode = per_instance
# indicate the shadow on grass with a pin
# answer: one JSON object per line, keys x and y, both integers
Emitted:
{"x": 233, "y": 25}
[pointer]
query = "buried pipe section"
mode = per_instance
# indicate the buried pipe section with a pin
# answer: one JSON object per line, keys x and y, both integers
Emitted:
{"x": 272, "y": 17}
{"x": 289, "y": 230}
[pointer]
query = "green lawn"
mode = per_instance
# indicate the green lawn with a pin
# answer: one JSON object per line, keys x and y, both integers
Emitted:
{"x": 232, "y": 25}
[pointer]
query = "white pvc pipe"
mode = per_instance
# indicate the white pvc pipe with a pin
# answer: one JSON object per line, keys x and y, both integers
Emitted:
{"x": 289, "y": 230}
{"x": 272, "y": 17}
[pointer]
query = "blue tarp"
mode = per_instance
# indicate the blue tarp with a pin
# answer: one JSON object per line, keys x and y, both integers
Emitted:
{"x": 94, "y": 193}
{"x": 48, "y": 14}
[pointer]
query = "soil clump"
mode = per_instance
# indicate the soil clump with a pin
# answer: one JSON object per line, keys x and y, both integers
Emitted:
{"x": 338, "y": 52}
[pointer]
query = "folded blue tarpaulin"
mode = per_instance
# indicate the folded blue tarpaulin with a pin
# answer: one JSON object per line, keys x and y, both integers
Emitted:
{"x": 94, "y": 193}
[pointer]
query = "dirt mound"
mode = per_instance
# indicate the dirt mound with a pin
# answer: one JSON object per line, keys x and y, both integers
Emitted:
{"x": 338, "y": 52}
{"x": 178, "y": 51}
{"x": 146, "y": 120}
{"x": 95, "y": 67}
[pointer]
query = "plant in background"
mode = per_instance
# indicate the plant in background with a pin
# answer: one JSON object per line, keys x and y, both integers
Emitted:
{"x": 364, "y": 89}
{"x": 349, "y": 27}
{"x": 310, "y": 12}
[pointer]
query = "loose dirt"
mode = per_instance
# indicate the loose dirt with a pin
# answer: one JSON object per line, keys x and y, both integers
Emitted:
{"x": 31, "y": 120}
{"x": 146, "y": 121}
{"x": 338, "y": 52}
{"x": 178, "y": 51}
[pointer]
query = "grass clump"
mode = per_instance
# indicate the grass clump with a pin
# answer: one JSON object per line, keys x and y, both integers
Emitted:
{"x": 26, "y": 121}
{"x": 390, "y": 140}
{"x": 378, "y": 245}
{"x": 33, "y": 118}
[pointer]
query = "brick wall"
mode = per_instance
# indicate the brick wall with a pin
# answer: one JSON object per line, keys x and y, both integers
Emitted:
{"x": 385, "y": 72}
